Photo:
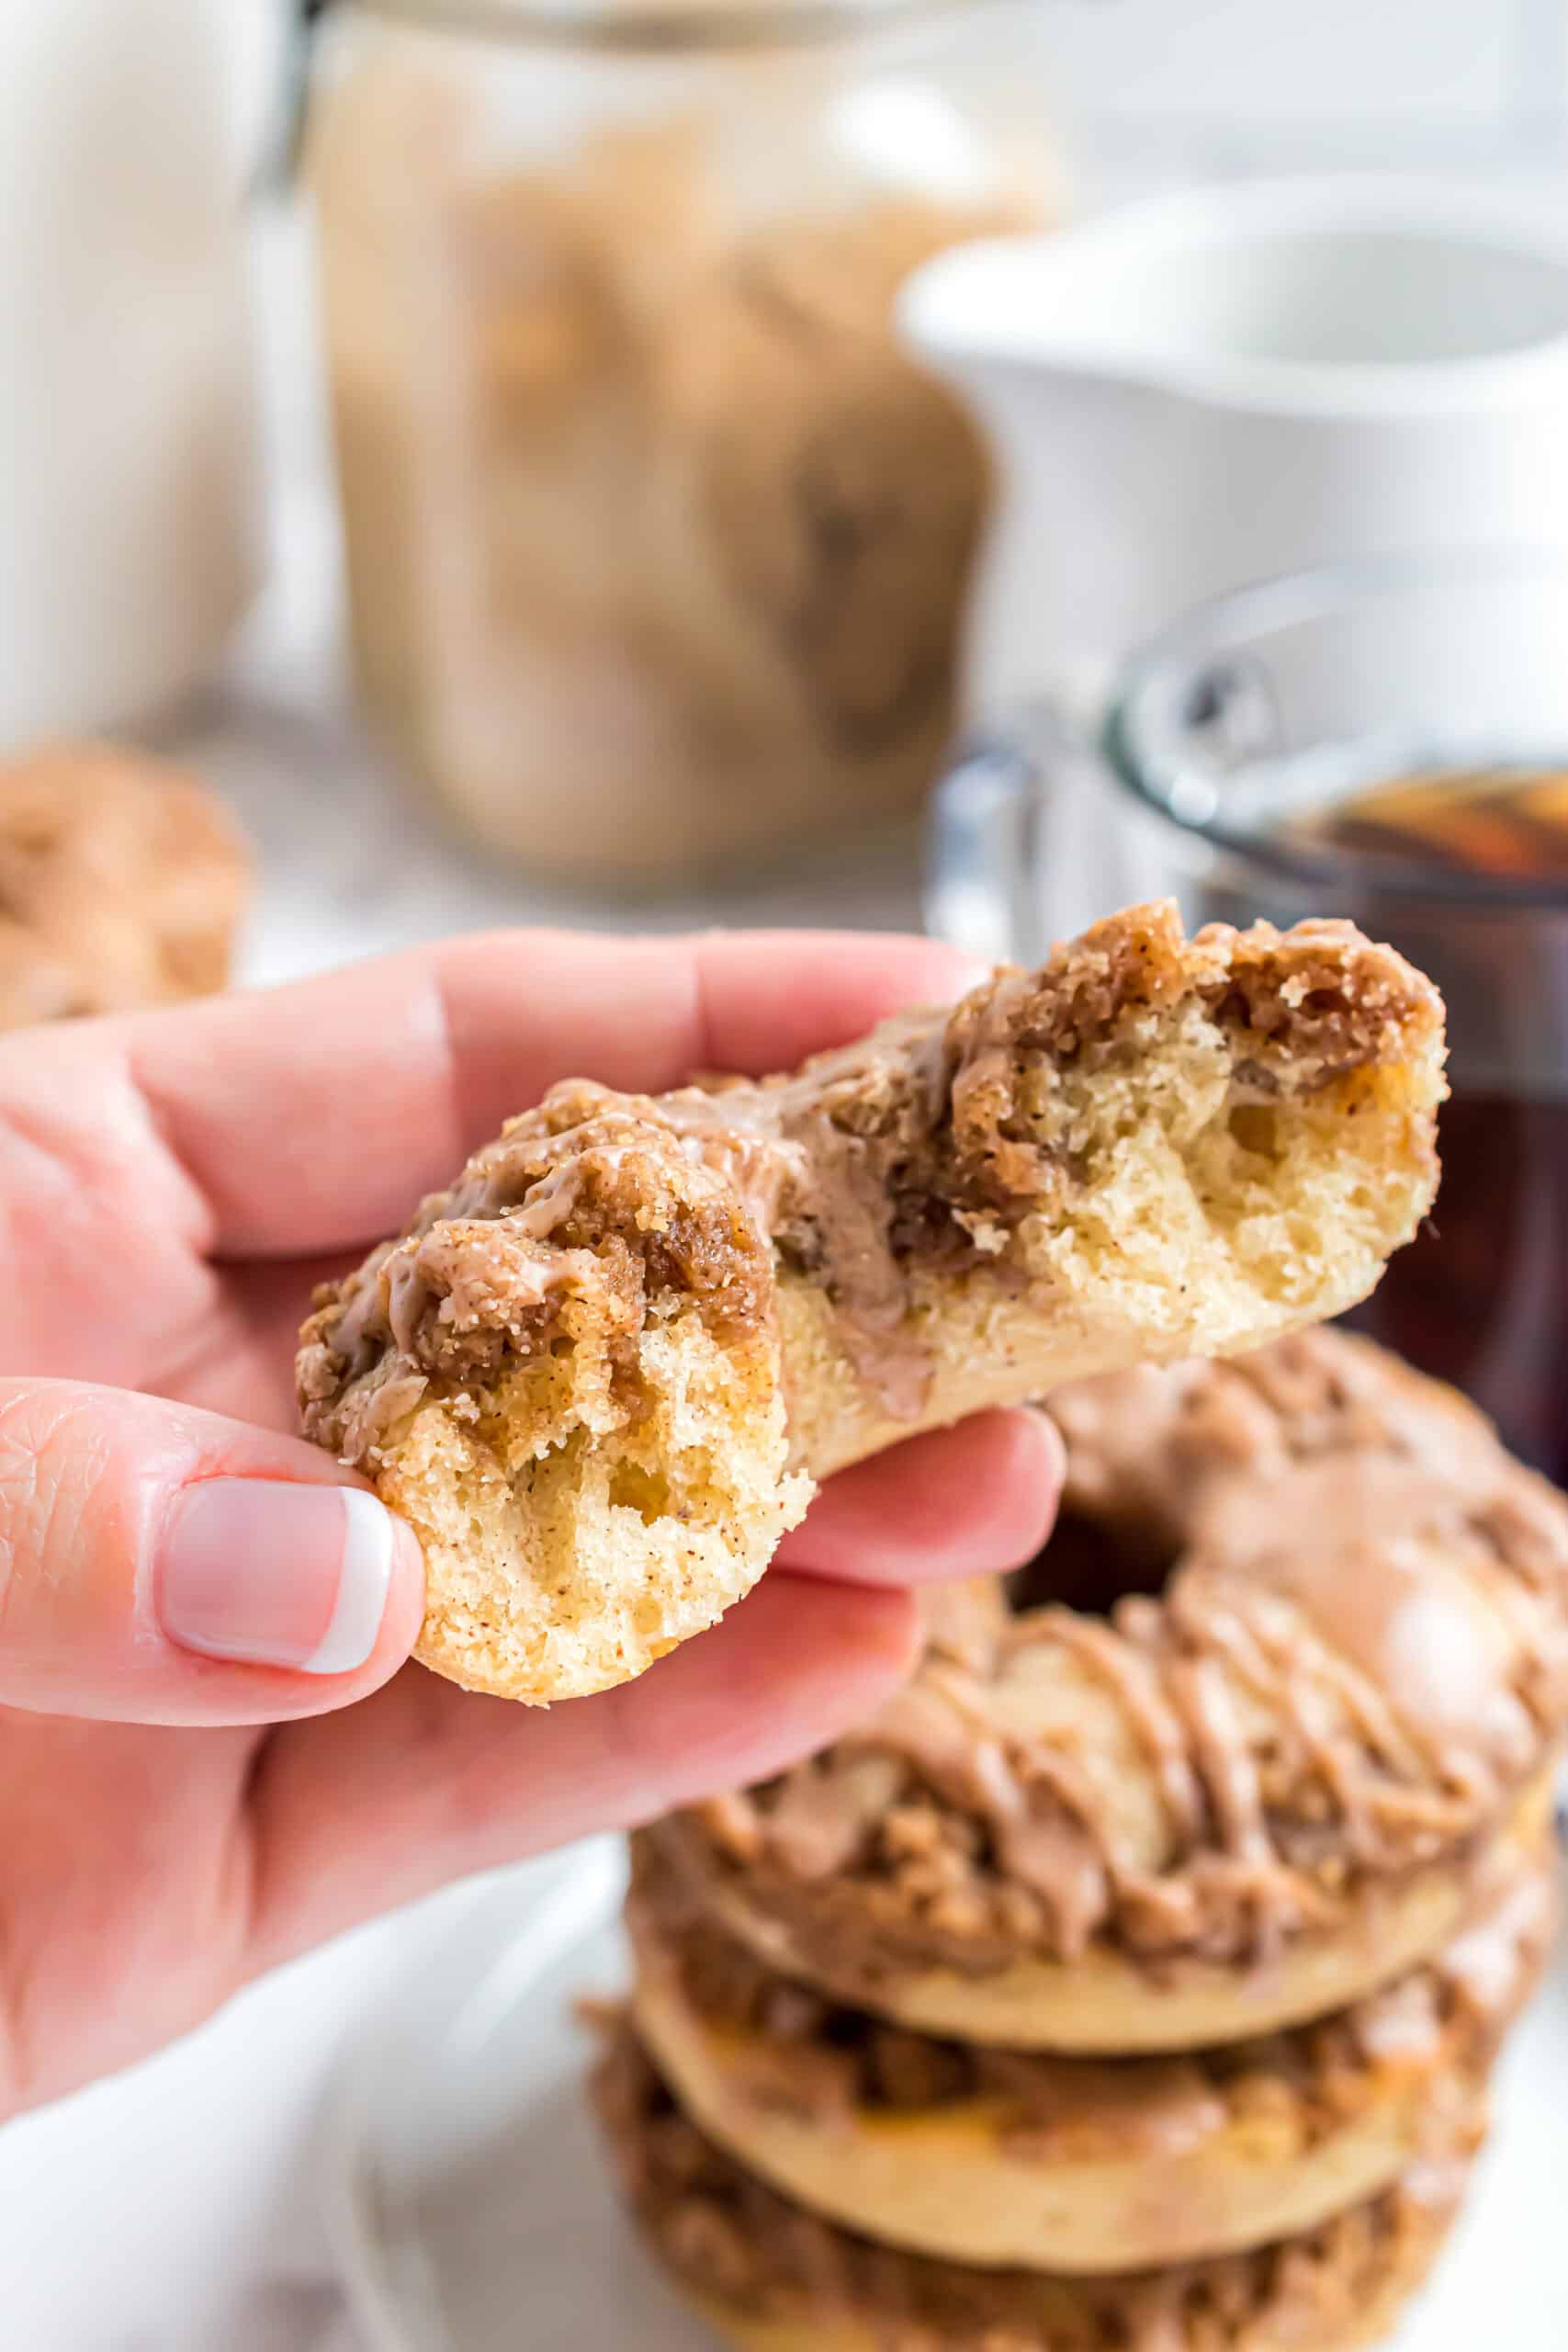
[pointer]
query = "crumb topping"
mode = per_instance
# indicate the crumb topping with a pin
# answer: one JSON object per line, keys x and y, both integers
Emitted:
{"x": 1354, "y": 1661}
{"x": 924, "y": 1147}
{"x": 822, "y": 2062}
{"x": 726, "y": 2235}
{"x": 121, "y": 882}
{"x": 591, "y": 1208}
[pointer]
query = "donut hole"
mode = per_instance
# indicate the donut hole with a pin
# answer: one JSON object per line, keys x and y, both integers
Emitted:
{"x": 1090, "y": 1564}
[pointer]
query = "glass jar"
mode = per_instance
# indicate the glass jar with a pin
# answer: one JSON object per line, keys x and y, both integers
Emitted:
{"x": 658, "y": 545}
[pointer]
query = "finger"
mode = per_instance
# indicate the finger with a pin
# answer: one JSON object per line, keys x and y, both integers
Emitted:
{"x": 311, "y": 1118}
{"x": 957, "y": 1502}
{"x": 428, "y": 1782}
{"x": 161, "y": 1565}
{"x": 240, "y": 1360}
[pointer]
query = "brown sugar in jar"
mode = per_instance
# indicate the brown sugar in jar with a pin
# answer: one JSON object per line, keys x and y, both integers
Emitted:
{"x": 658, "y": 544}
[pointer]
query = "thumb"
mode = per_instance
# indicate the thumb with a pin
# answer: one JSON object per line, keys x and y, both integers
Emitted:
{"x": 161, "y": 1565}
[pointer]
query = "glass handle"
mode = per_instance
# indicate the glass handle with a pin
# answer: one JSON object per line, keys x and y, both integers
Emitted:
{"x": 280, "y": 167}
{"x": 1233, "y": 712}
{"x": 1027, "y": 841}
{"x": 981, "y": 851}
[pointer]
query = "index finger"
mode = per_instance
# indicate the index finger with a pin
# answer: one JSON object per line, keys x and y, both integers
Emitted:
{"x": 311, "y": 1118}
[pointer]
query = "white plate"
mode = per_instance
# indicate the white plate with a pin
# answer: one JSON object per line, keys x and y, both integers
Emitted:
{"x": 472, "y": 2211}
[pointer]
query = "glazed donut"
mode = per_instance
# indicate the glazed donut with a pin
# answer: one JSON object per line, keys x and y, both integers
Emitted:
{"x": 1080, "y": 2166}
{"x": 1257, "y": 1789}
{"x": 122, "y": 883}
{"x": 600, "y": 1373}
{"x": 768, "y": 2276}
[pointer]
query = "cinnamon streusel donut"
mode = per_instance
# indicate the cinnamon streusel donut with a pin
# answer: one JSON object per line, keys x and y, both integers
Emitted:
{"x": 599, "y": 1374}
{"x": 770, "y": 2277}
{"x": 1254, "y": 1790}
{"x": 121, "y": 884}
{"x": 1080, "y": 2166}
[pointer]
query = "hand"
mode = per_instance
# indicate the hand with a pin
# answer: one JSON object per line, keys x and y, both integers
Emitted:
{"x": 212, "y": 1753}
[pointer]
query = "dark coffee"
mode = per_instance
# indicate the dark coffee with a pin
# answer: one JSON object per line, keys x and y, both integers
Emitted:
{"x": 1501, "y": 824}
{"x": 1088, "y": 1564}
{"x": 1481, "y": 1297}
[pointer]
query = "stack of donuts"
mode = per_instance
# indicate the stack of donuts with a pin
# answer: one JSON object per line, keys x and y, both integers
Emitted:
{"x": 1133, "y": 1981}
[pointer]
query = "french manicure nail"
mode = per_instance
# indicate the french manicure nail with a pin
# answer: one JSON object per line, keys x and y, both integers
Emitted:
{"x": 272, "y": 1573}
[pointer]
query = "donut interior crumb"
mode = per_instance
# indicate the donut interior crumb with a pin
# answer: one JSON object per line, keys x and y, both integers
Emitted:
{"x": 582, "y": 1416}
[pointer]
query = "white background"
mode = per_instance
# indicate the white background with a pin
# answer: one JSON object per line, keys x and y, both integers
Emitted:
{"x": 1345, "y": 75}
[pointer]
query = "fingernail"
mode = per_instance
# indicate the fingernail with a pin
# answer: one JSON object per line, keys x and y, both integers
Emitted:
{"x": 269, "y": 1574}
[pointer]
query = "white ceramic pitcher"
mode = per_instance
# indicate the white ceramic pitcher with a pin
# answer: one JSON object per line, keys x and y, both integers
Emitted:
{"x": 130, "y": 509}
{"x": 1210, "y": 387}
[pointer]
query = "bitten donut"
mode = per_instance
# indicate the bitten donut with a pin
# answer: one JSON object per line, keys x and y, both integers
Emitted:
{"x": 1001, "y": 2157}
{"x": 1254, "y": 1790}
{"x": 770, "y": 2277}
{"x": 600, "y": 1373}
{"x": 122, "y": 883}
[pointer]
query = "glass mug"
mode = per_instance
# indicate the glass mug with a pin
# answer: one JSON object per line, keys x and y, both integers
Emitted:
{"x": 1387, "y": 740}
